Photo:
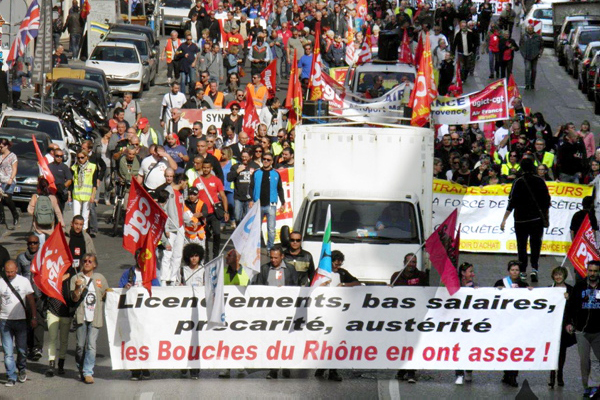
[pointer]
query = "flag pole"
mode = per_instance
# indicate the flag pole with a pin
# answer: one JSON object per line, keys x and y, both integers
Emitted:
{"x": 409, "y": 260}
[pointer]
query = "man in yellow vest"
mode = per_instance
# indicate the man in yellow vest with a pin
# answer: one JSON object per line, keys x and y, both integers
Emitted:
{"x": 258, "y": 91}
{"x": 168, "y": 54}
{"x": 85, "y": 178}
{"x": 194, "y": 215}
{"x": 148, "y": 136}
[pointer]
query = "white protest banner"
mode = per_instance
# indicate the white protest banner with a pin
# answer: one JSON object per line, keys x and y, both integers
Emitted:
{"x": 488, "y": 104}
{"x": 481, "y": 210}
{"x": 364, "y": 327}
{"x": 215, "y": 117}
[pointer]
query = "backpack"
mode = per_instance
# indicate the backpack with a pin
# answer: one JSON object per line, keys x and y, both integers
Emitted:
{"x": 43, "y": 212}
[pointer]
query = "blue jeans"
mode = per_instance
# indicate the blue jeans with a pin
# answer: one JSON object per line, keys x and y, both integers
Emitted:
{"x": 240, "y": 210}
{"x": 185, "y": 81}
{"x": 74, "y": 42}
{"x": 16, "y": 328}
{"x": 85, "y": 351}
{"x": 270, "y": 212}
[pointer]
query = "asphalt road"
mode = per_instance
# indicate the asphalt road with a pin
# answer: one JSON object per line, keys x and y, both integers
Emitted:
{"x": 560, "y": 101}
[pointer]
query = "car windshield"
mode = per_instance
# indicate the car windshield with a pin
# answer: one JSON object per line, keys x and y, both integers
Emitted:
{"x": 178, "y": 3}
{"x": 543, "y": 14}
{"x": 115, "y": 54}
{"x": 62, "y": 89}
{"x": 52, "y": 128}
{"x": 23, "y": 146}
{"x": 125, "y": 30}
{"x": 364, "y": 221}
{"x": 589, "y": 36}
{"x": 141, "y": 45}
{"x": 366, "y": 80}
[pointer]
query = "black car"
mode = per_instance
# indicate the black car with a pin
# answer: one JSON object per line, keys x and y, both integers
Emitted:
{"x": 92, "y": 74}
{"x": 79, "y": 87}
{"x": 27, "y": 163}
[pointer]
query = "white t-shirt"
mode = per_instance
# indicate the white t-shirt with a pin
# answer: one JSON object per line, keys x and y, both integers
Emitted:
{"x": 498, "y": 136}
{"x": 171, "y": 101}
{"x": 154, "y": 176}
{"x": 90, "y": 300}
{"x": 196, "y": 280}
{"x": 139, "y": 281}
{"x": 11, "y": 307}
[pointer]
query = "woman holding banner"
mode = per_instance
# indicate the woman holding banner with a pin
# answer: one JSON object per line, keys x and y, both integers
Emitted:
{"x": 466, "y": 274}
{"x": 559, "y": 275}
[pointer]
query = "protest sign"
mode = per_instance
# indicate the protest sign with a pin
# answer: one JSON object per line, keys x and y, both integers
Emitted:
{"x": 366, "y": 327}
{"x": 481, "y": 210}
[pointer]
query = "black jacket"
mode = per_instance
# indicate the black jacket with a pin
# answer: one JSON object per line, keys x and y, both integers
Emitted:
{"x": 290, "y": 276}
{"x": 472, "y": 41}
{"x": 304, "y": 265}
{"x": 520, "y": 198}
{"x": 583, "y": 308}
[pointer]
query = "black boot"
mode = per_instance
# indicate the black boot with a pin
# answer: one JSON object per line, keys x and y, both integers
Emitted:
{"x": 50, "y": 370}
{"x": 61, "y": 366}
{"x": 552, "y": 379}
{"x": 559, "y": 378}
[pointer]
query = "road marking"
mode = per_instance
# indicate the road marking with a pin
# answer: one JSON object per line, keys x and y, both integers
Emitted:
{"x": 146, "y": 396}
{"x": 388, "y": 389}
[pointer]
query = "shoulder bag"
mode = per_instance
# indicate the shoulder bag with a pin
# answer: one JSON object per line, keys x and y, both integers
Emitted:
{"x": 218, "y": 209}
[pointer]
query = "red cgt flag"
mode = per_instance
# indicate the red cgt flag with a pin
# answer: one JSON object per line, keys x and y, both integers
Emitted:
{"x": 424, "y": 92}
{"x": 361, "y": 9}
{"x": 50, "y": 264}
{"x": 513, "y": 91}
{"x": 442, "y": 246}
{"x": 583, "y": 248}
{"x": 251, "y": 120}
{"x": 144, "y": 220}
{"x": 316, "y": 69}
{"x": 147, "y": 263}
{"x": 43, "y": 163}
{"x": 268, "y": 77}
{"x": 405, "y": 55}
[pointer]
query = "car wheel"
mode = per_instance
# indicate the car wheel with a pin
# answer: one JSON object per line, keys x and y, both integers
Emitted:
{"x": 153, "y": 81}
{"x": 146, "y": 86}
{"x": 575, "y": 71}
{"x": 580, "y": 85}
{"x": 590, "y": 94}
{"x": 596, "y": 107}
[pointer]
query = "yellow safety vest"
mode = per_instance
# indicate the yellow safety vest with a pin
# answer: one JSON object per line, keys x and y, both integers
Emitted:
{"x": 240, "y": 279}
{"x": 153, "y": 135}
{"x": 547, "y": 160}
{"x": 169, "y": 51}
{"x": 82, "y": 191}
{"x": 508, "y": 166}
{"x": 192, "y": 175}
{"x": 190, "y": 232}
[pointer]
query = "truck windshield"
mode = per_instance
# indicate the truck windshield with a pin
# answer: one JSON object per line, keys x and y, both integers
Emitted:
{"x": 364, "y": 221}
{"x": 366, "y": 80}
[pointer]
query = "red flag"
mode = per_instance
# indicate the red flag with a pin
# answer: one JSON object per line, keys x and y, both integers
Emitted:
{"x": 361, "y": 9}
{"x": 86, "y": 9}
{"x": 459, "y": 83}
{"x": 268, "y": 77}
{"x": 224, "y": 35}
{"x": 364, "y": 55}
{"x": 293, "y": 100}
{"x": 405, "y": 55}
{"x": 50, "y": 264}
{"x": 513, "y": 91}
{"x": 424, "y": 92}
{"x": 442, "y": 247}
{"x": 147, "y": 262}
{"x": 266, "y": 9}
{"x": 44, "y": 169}
{"x": 144, "y": 218}
{"x": 316, "y": 69}
{"x": 583, "y": 248}
{"x": 419, "y": 49}
{"x": 251, "y": 120}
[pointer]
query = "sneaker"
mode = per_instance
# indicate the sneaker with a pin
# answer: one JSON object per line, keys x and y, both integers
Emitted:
{"x": 460, "y": 379}
{"x": 88, "y": 379}
{"x": 411, "y": 377}
{"x": 319, "y": 373}
{"x": 146, "y": 374}
{"x": 242, "y": 373}
{"x": 534, "y": 275}
{"x": 272, "y": 374}
{"x": 400, "y": 375}
{"x": 523, "y": 276}
{"x": 135, "y": 376}
{"x": 22, "y": 375}
{"x": 286, "y": 373}
{"x": 334, "y": 376}
{"x": 226, "y": 373}
{"x": 468, "y": 376}
{"x": 9, "y": 383}
{"x": 37, "y": 354}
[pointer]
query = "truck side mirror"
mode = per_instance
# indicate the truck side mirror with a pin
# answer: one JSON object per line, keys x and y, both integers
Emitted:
{"x": 284, "y": 236}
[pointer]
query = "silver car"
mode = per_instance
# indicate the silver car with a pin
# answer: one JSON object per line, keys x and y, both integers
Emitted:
{"x": 145, "y": 50}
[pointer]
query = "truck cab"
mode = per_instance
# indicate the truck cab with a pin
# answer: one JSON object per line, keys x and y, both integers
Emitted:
{"x": 362, "y": 77}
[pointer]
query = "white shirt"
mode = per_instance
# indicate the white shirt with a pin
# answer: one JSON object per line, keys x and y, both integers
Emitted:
{"x": 434, "y": 39}
{"x": 90, "y": 300}
{"x": 11, "y": 307}
{"x": 498, "y": 136}
{"x": 191, "y": 277}
{"x": 171, "y": 101}
{"x": 154, "y": 175}
{"x": 273, "y": 124}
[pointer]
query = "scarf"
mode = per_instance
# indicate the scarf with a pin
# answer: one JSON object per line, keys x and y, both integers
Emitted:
{"x": 81, "y": 168}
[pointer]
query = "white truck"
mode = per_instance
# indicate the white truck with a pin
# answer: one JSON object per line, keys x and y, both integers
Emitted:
{"x": 378, "y": 181}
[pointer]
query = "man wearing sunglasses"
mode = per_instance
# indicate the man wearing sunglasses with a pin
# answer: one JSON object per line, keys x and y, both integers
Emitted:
{"x": 266, "y": 186}
{"x": 301, "y": 259}
{"x": 63, "y": 178}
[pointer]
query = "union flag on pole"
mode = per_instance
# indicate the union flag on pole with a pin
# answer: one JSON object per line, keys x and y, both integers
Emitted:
{"x": 146, "y": 260}
{"x": 293, "y": 100}
{"x": 405, "y": 56}
{"x": 442, "y": 246}
{"x": 350, "y": 50}
{"x": 316, "y": 69}
{"x": 361, "y": 9}
{"x": 424, "y": 92}
{"x": 50, "y": 264}
{"x": 44, "y": 169}
{"x": 251, "y": 119}
{"x": 419, "y": 49}
{"x": 323, "y": 274}
{"x": 268, "y": 77}
{"x": 583, "y": 248}
{"x": 513, "y": 91}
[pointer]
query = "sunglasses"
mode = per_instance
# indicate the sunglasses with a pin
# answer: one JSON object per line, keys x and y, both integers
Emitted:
{"x": 88, "y": 261}
{"x": 295, "y": 240}
{"x": 81, "y": 158}
{"x": 258, "y": 151}
{"x": 32, "y": 243}
{"x": 235, "y": 109}
{"x": 267, "y": 159}
{"x": 58, "y": 156}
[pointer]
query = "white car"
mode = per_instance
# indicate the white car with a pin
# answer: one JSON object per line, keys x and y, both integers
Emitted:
{"x": 175, "y": 13}
{"x": 540, "y": 13}
{"x": 122, "y": 64}
{"x": 39, "y": 122}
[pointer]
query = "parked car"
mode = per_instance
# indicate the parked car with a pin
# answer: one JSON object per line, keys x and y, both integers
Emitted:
{"x": 144, "y": 48}
{"x": 92, "y": 74}
{"x": 591, "y": 75}
{"x": 540, "y": 13}
{"x": 27, "y": 165}
{"x": 39, "y": 122}
{"x": 122, "y": 65}
{"x": 175, "y": 13}
{"x": 570, "y": 23}
{"x": 590, "y": 51}
{"x": 137, "y": 29}
{"x": 581, "y": 38}
{"x": 80, "y": 88}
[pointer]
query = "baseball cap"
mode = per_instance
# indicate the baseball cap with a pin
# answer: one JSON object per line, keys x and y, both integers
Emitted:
{"x": 142, "y": 123}
{"x": 193, "y": 190}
